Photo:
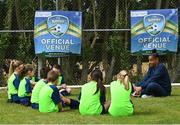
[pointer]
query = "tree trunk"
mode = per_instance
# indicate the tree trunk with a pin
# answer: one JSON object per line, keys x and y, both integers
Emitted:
{"x": 158, "y": 4}
{"x": 84, "y": 73}
{"x": 79, "y": 5}
{"x": 18, "y": 14}
{"x": 126, "y": 24}
{"x": 41, "y": 4}
{"x": 167, "y": 4}
{"x": 117, "y": 11}
{"x": 95, "y": 24}
{"x": 110, "y": 72}
{"x": 105, "y": 54}
{"x": 139, "y": 67}
{"x": 62, "y": 3}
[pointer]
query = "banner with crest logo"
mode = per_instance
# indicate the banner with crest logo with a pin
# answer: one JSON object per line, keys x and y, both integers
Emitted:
{"x": 154, "y": 29}
{"x": 57, "y": 32}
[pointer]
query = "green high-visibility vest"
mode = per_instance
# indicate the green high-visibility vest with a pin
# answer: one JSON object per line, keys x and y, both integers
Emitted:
{"x": 22, "y": 88}
{"x": 90, "y": 102}
{"x": 11, "y": 88}
{"x": 59, "y": 79}
{"x": 33, "y": 79}
{"x": 46, "y": 104}
{"x": 36, "y": 90}
{"x": 121, "y": 104}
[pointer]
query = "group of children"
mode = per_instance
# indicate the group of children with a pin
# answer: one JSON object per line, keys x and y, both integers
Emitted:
{"x": 46, "y": 94}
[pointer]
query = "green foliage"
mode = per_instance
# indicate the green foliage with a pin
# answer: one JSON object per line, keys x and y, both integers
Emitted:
{"x": 4, "y": 43}
{"x": 116, "y": 47}
{"x": 24, "y": 50}
{"x": 122, "y": 55}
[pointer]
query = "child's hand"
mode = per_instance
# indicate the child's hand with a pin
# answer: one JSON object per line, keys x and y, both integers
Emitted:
{"x": 138, "y": 89}
{"x": 123, "y": 73}
{"x": 32, "y": 82}
{"x": 63, "y": 86}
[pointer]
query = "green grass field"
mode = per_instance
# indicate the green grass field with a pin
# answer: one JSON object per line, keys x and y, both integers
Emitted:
{"x": 151, "y": 110}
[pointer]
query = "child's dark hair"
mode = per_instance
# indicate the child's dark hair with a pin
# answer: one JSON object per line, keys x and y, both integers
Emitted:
{"x": 43, "y": 72}
{"x": 27, "y": 67}
{"x": 52, "y": 76}
{"x": 57, "y": 66}
{"x": 97, "y": 76}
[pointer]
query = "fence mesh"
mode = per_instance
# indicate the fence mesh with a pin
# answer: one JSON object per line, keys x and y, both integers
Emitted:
{"x": 107, "y": 49}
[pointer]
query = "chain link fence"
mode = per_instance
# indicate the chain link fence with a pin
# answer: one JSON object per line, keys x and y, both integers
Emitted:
{"x": 105, "y": 40}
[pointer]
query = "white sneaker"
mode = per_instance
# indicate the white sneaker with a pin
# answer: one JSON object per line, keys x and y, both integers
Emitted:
{"x": 146, "y": 96}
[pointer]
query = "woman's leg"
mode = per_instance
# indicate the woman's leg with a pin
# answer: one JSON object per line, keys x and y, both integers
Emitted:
{"x": 155, "y": 90}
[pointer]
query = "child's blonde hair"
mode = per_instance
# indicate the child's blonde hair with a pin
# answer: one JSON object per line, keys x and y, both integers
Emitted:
{"x": 13, "y": 65}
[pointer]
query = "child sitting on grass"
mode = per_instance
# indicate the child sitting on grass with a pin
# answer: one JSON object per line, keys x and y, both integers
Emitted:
{"x": 38, "y": 86}
{"x": 15, "y": 70}
{"x": 93, "y": 97}
{"x": 121, "y": 104}
{"x": 25, "y": 88}
{"x": 50, "y": 99}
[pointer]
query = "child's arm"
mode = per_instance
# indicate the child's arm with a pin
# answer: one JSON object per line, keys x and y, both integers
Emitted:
{"x": 32, "y": 83}
{"x": 11, "y": 68}
{"x": 126, "y": 82}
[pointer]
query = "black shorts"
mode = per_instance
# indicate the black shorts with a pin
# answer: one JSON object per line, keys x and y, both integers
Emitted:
{"x": 74, "y": 104}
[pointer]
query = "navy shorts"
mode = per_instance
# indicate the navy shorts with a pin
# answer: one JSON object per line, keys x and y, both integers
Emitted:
{"x": 25, "y": 101}
{"x": 15, "y": 99}
{"x": 35, "y": 105}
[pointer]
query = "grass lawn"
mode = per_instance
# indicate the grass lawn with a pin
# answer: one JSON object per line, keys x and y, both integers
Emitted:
{"x": 151, "y": 110}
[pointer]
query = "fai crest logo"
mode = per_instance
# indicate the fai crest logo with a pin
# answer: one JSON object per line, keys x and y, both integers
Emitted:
{"x": 57, "y": 25}
{"x": 154, "y": 24}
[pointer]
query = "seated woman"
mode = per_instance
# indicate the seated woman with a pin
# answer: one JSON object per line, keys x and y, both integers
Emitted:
{"x": 121, "y": 104}
{"x": 92, "y": 98}
{"x": 156, "y": 82}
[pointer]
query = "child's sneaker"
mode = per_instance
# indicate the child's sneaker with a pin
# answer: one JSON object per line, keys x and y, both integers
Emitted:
{"x": 146, "y": 96}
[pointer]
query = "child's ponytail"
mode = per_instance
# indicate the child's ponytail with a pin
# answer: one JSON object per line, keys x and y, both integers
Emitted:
{"x": 96, "y": 75}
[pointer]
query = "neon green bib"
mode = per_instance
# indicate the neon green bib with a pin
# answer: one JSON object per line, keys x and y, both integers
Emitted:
{"x": 90, "y": 102}
{"x": 59, "y": 79}
{"x": 120, "y": 100}
{"x": 36, "y": 91}
{"x": 11, "y": 88}
{"x": 33, "y": 79}
{"x": 22, "y": 88}
{"x": 46, "y": 104}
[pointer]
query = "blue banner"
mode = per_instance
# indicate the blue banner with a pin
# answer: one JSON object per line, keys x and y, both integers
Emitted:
{"x": 154, "y": 29}
{"x": 58, "y": 32}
